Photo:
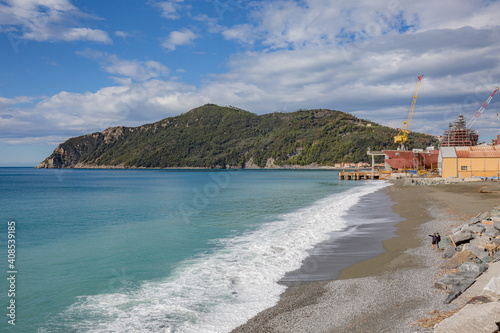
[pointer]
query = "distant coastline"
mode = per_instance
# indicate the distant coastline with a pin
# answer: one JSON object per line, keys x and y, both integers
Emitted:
{"x": 285, "y": 167}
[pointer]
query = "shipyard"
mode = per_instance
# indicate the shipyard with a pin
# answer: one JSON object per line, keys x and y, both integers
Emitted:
{"x": 459, "y": 156}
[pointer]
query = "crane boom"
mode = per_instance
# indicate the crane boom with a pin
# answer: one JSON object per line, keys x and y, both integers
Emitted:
{"x": 405, "y": 130}
{"x": 480, "y": 111}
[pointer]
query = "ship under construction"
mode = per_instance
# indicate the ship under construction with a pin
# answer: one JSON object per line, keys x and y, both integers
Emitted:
{"x": 458, "y": 135}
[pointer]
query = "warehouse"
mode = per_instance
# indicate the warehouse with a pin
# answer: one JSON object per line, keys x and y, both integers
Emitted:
{"x": 468, "y": 162}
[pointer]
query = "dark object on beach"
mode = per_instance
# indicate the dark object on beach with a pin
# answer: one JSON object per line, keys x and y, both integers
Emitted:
{"x": 438, "y": 238}
{"x": 479, "y": 300}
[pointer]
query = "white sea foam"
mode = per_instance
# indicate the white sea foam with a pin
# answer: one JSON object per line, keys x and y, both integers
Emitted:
{"x": 221, "y": 290}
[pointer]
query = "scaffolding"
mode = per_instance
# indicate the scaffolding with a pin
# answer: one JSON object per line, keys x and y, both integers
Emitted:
{"x": 458, "y": 135}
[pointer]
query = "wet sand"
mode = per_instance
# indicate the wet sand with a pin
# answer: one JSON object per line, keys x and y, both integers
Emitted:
{"x": 392, "y": 290}
{"x": 369, "y": 223}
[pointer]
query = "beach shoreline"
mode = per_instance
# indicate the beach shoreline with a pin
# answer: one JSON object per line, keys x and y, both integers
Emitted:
{"x": 368, "y": 224}
{"x": 391, "y": 291}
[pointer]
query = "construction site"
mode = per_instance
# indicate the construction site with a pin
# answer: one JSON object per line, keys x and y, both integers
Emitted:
{"x": 458, "y": 156}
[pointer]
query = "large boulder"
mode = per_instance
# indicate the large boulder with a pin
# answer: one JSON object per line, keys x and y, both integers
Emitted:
{"x": 495, "y": 241}
{"x": 491, "y": 231}
{"x": 492, "y": 218}
{"x": 462, "y": 236}
{"x": 445, "y": 241}
{"x": 483, "y": 216}
{"x": 449, "y": 252}
{"x": 458, "y": 259}
{"x": 473, "y": 228}
{"x": 486, "y": 260}
{"x": 460, "y": 286}
{"x": 448, "y": 281}
{"x": 481, "y": 241}
{"x": 473, "y": 267}
{"x": 474, "y": 220}
{"x": 476, "y": 250}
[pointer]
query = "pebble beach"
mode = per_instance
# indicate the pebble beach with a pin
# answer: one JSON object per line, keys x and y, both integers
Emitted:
{"x": 393, "y": 290}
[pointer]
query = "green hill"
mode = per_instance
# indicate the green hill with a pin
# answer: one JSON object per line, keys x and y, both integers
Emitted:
{"x": 211, "y": 136}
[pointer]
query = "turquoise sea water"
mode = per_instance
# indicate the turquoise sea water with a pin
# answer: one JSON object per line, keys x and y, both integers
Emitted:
{"x": 160, "y": 250}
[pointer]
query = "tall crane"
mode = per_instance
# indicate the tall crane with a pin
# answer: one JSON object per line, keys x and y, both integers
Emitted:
{"x": 480, "y": 111}
{"x": 405, "y": 130}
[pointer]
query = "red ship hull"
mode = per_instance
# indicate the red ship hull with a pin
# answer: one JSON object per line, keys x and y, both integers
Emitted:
{"x": 404, "y": 159}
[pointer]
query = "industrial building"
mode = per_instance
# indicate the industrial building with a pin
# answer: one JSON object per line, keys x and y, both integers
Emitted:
{"x": 459, "y": 155}
{"x": 468, "y": 162}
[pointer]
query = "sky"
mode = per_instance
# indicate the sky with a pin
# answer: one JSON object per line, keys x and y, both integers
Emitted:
{"x": 70, "y": 68}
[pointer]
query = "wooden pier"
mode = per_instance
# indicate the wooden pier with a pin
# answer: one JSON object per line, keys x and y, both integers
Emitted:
{"x": 359, "y": 175}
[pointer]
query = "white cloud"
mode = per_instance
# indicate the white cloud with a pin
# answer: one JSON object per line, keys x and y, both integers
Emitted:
{"x": 86, "y": 34}
{"x": 16, "y": 100}
{"x": 241, "y": 32}
{"x": 122, "y": 34}
{"x": 131, "y": 69}
{"x": 362, "y": 58}
{"x": 78, "y": 114}
{"x": 450, "y": 14}
{"x": 179, "y": 38}
{"x": 311, "y": 23}
{"x": 169, "y": 9}
{"x": 210, "y": 22}
{"x": 55, "y": 20}
{"x": 50, "y": 139}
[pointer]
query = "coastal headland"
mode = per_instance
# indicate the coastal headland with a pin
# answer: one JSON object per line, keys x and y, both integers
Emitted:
{"x": 216, "y": 137}
{"x": 392, "y": 291}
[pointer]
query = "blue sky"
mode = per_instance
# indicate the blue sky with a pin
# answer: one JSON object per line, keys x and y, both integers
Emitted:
{"x": 75, "y": 67}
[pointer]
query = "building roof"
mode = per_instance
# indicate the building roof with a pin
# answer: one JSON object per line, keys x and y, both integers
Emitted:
{"x": 447, "y": 152}
{"x": 478, "y": 151}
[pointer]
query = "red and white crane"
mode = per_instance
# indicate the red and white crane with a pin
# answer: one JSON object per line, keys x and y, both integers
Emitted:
{"x": 480, "y": 111}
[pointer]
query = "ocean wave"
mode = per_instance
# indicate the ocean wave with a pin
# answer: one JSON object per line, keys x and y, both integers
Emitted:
{"x": 219, "y": 291}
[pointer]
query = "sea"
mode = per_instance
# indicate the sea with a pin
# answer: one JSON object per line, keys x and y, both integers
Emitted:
{"x": 160, "y": 250}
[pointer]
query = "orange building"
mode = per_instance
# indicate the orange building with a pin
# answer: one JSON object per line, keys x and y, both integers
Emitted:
{"x": 466, "y": 162}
